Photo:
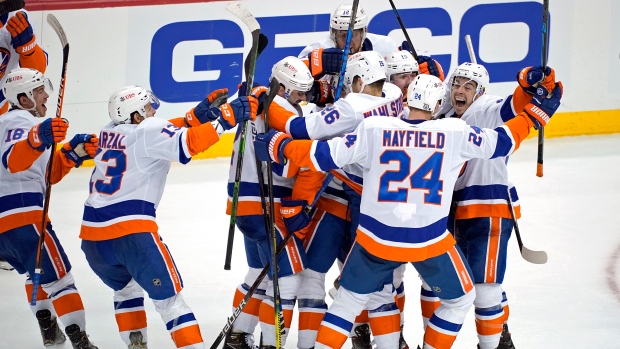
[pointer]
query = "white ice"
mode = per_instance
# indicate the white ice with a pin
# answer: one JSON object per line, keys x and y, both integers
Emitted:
{"x": 573, "y": 301}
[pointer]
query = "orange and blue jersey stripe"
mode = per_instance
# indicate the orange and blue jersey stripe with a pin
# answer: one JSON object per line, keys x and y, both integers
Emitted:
{"x": 250, "y": 200}
{"x": 119, "y": 219}
{"x": 479, "y": 201}
{"x": 18, "y": 210}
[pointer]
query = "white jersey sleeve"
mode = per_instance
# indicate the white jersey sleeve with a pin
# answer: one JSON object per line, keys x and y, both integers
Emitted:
{"x": 162, "y": 140}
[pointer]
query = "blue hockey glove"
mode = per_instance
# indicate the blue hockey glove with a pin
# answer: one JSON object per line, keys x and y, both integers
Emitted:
{"x": 239, "y": 110}
{"x": 81, "y": 147}
{"x": 542, "y": 107}
{"x": 270, "y": 146}
{"x": 295, "y": 216}
{"x": 207, "y": 110}
{"x": 325, "y": 61}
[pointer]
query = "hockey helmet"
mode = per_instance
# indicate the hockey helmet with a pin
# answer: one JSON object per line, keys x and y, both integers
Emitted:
{"x": 424, "y": 92}
{"x": 128, "y": 100}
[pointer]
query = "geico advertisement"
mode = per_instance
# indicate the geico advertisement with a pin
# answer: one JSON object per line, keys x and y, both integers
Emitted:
{"x": 190, "y": 57}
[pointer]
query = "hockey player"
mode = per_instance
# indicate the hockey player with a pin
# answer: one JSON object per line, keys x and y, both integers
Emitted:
{"x": 25, "y": 152}
{"x": 120, "y": 237}
{"x": 19, "y": 47}
{"x": 410, "y": 168}
{"x": 483, "y": 222}
{"x": 368, "y": 94}
{"x": 18, "y": 50}
{"x": 295, "y": 82}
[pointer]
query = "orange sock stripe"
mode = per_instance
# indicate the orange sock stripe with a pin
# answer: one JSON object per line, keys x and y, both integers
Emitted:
{"x": 400, "y": 302}
{"x": 186, "y": 336}
{"x": 310, "y": 320}
{"x": 41, "y": 295}
{"x": 133, "y": 320}
{"x": 428, "y": 308}
{"x": 362, "y": 317}
{"x": 437, "y": 339}
{"x": 506, "y": 313}
{"x": 252, "y": 307}
{"x": 330, "y": 337}
{"x": 266, "y": 314}
{"x": 489, "y": 327}
{"x": 68, "y": 303}
{"x": 385, "y": 324}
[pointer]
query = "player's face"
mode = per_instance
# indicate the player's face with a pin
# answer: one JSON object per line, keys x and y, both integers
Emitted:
{"x": 150, "y": 111}
{"x": 403, "y": 80}
{"x": 356, "y": 40}
{"x": 296, "y": 97}
{"x": 40, "y": 99}
{"x": 462, "y": 95}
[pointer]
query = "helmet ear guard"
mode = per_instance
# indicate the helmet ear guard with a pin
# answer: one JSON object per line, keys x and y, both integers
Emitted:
{"x": 424, "y": 92}
{"x": 128, "y": 100}
{"x": 24, "y": 81}
{"x": 292, "y": 73}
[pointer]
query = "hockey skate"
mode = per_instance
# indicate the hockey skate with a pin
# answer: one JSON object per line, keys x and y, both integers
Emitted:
{"x": 239, "y": 341}
{"x": 136, "y": 341}
{"x": 265, "y": 346}
{"x": 362, "y": 340}
{"x": 50, "y": 331}
{"x": 5, "y": 265}
{"x": 78, "y": 338}
{"x": 505, "y": 342}
{"x": 402, "y": 344}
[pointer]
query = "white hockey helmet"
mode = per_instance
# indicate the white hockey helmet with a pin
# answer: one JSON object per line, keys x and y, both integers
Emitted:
{"x": 341, "y": 18}
{"x": 368, "y": 65}
{"x": 401, "y": 62}
{"x": 124, "y": 102}
{"x": 424, "y": 92}
{"x": 473, "y": 72}
{"x": 24, "y": 80}
{"x": 293, "y": 73}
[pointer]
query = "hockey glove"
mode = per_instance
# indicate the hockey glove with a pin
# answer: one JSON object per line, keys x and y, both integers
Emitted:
{"x": 81, "y": 147}
{"x": 320, "y": 94}
{"x": 427, "y": 65}
{"x": 295, "y": 216}
{"x": 270, "y": 146}
{"x": 22, "y": 36}
{"x": 542, "y": 107}
{"x": 325, "y": 61}
{"x": 42, "y": 135}
{"x": 405, "y": 47}
{"x": 259, "y": 92}
{"x": 207, "y": 110}
{"x": 530, "y": 77}
{"x": 239, "y": 110}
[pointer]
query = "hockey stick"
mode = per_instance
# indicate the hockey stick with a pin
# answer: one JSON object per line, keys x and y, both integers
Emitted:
{"x": 536, "y": 257}
{"x": 274, "y": 87}
{"x": 231, "y": 319}
{"x": 402, "y": 26}
{"x": 249, "y": 65}
{"x": 36, "y": 278}
{"x": 347, "y": 47}
{"x": 470, "y": 48}
{"x": 545, "y": 44}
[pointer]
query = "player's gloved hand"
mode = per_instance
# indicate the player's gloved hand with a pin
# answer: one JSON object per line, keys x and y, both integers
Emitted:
{"x": 542, "y": 106}
{"x": 207, "y": 110}
{"x": 530, "y": 78}
{"x": 295, "y": 216}
{"x": 22, "y": 36}
{"x": 270, "y": 146}
{"x": 42, "y": 135}
{"x": 325, "y": 61}
{"x": 427, "y": 65}
{"x": 320, "y": 93}
{"x": 258, "y": 91}
{"x": 405, "y": 47}
{"x": 239, "y": 110}
{"x": 81, "y": 147}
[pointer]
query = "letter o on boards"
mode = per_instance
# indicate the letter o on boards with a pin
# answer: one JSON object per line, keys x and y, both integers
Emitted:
{"x": 529, "y": 13}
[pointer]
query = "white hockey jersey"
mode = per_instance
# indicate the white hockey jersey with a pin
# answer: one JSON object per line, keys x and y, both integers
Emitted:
{"x": 131, "y": 167}
{"x": 409, "y": 170}
{"x": 373, "y": 42}
{"x": 482, "y": 189}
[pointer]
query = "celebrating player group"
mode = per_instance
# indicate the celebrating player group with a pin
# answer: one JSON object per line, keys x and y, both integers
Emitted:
{"x": 360, "y": 154}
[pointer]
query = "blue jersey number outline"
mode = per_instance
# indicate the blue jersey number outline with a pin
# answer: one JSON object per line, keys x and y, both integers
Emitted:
{"x": 114, "y": 173}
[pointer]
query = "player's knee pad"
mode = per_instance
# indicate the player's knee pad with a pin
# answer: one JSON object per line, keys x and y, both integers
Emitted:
{"x": 58, "y": 285}
{"x": 354, "y": 302}
{"x": 171, "y": 308}
{"x": 460, "y": 306}
{"x": 130, "y": 291}
{"x": 313, "y": 285}
{"x": 488, "y": 295}
{"x": 288, "y": 286}
{"x": 381, "y": 298}
{"x": 252, "y": 275}
{"x": 399, "y": 274}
